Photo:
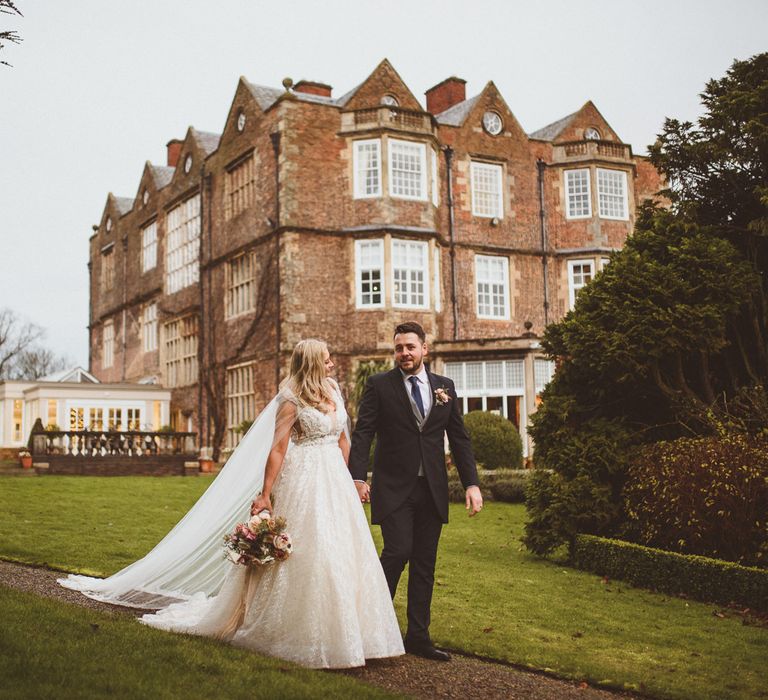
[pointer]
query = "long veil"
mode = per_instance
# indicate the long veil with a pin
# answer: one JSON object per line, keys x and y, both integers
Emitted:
{"x": 190, "y": 559}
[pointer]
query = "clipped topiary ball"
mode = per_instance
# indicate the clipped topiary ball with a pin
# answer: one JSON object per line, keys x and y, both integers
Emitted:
{"x": 495, "y": 441}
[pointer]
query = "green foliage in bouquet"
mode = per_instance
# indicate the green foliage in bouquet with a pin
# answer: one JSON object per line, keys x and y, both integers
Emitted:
{"x": 496, "y": 442}
{"x": 706, "y": 496}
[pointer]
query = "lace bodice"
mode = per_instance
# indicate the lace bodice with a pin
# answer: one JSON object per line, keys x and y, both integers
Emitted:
{"x": 315, "y": 427}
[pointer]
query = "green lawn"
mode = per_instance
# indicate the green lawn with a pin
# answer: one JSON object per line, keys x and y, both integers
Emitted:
{"x": 491, "y": 597}
{"x": 50, "y": 649}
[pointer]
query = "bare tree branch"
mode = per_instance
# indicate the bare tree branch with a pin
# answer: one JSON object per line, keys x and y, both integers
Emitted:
{"x": 7, "y": 7}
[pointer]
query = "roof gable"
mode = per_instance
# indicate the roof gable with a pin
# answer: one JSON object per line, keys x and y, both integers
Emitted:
{"x": 470, "y": 112}
{"x": 573, "y": 126}
{"x": 383, "y": 80}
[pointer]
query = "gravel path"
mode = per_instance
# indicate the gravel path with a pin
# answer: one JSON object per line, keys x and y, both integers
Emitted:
{"x": 464, "y": 677}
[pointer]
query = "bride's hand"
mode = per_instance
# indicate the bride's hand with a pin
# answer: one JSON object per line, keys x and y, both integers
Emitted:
{"x": 261, "y": 502}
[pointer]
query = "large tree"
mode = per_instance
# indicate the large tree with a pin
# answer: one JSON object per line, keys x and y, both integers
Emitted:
{"x": 671, "y": 336}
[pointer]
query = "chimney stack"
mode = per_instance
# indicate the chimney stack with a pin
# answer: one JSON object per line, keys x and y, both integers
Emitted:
{"x": 174, "y": 151}
{"x": 312, "y": 88}
{"x": 446, "y": 94}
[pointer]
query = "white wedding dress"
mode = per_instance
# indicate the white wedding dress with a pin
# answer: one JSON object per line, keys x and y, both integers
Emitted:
{"x": 327, "y": 605}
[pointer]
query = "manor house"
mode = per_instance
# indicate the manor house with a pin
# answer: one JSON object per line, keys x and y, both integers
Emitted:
{"x": 338, "y": 217}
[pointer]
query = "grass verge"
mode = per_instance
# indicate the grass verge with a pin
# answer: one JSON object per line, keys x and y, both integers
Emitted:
{"x": 491, "y": 597}
{"x": 72, "y": 652}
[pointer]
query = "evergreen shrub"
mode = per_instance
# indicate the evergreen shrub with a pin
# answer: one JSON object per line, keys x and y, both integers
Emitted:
{"x": 496, "y": 442}
{"x": 701, "y": 578}
{"x": 504, "y": 485}
{"x": 706, "y": 496}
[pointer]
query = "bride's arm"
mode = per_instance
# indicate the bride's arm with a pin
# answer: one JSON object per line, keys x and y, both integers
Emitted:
{"x": 286, "y": 417}
{"x": 344, "y": 446}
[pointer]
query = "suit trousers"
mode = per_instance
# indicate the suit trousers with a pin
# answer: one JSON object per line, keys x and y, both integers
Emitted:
{"x": 411, "y": 533}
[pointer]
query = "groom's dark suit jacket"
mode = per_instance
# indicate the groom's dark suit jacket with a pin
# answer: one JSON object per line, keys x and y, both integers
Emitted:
{"x": 405, "y": 442}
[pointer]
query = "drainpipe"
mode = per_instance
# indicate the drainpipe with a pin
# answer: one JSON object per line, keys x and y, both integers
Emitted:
{"x": 541, "y": 166}
{"x": 448, "y": 153}
{"x": 275, "y": 138}
{"x": 206, "y": 311}
{"x": 125, "y": 301}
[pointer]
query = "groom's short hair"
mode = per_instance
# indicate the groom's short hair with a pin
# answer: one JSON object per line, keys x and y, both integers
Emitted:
{"x": 411, "y": 327}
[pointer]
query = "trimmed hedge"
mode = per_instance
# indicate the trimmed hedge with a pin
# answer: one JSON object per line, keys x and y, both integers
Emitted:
{"x": 700, "y": 578}
{"x": 505, "y": 485}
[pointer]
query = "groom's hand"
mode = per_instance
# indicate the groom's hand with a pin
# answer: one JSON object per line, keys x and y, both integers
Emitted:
{"x": 364, "y": 491}
{"x": 474, "y": 500}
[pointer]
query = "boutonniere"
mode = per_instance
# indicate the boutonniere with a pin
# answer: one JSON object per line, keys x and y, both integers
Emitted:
{"x": 441, "y": 396}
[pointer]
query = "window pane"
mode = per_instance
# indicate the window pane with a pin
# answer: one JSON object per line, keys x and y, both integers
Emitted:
{"x": 486, "y": 190}
{"x": 407, "y": 169}
{"x": 370, "y": 272}
{"x": 612, "y": 193}
{"x": 577, "y": 193}
{"x": 182, "y": 269}
{"x": 367, "y": 167}
{"x": 492, "y": 288}
{"x": 409, "y": 273}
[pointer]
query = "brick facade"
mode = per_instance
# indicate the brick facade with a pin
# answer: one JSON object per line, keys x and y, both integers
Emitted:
{"x": 278, "y": 185}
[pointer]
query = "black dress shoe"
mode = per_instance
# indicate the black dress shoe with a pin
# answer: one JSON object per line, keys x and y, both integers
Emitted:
{"x": 427, "y": 651}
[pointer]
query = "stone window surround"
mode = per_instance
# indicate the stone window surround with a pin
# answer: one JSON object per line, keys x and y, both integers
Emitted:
{"x": 428, "y": 175}
{"x": 387, "y": 274}
{"x": 487, "y": 279}
{"x": 492, "y": 171}
{"x": 594, "y": 189}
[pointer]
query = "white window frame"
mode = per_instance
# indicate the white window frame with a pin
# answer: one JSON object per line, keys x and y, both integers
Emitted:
{"x": 149, "y": 247}
{"x": 180, "y": 340}
{"x": 606, "y": 199}
{"x": 149, "y": 327}
{"x": 241, "y": 286}
{"x": 437, "y": 278}
{"x": 483, "y": 276}
{"x": 573, "y": 288}
{"x": 435, "y": 183}
{"x": 359, "y": 178}
{"x": 543, "y": 371}
{"x": 240, "y": 399}
{"x": 476, "y": 168}
{"x": 409, "y": 269}
{"x": 360, "y": 270}
{"x": 457, "y": 371}
{"x": 182, "y": 264}
{"x": 108, "y": 345}
{"x": 421, "y": 151}
{"x": 568, "y": 194}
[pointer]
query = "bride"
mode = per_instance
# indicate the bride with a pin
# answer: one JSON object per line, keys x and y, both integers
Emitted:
{"x": 328, "y": 604}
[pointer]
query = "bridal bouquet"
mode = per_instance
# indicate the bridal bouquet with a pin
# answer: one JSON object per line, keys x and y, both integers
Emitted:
{"x": 260, "y": 540}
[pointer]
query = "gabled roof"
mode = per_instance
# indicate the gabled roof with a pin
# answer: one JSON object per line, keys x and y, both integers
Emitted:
{"x": 73, "y": 374}
{"x": 207, "y": 140}
{"x": 551, "y": 131}
{"x": 267, "y": 96}
{"x": 455, "y": 115}
{"x": 162, "y": 174}
{"x": 123, "y": 204}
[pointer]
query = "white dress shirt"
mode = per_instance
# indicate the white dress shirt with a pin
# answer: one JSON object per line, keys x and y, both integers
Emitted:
{"x": 424, "y": 387}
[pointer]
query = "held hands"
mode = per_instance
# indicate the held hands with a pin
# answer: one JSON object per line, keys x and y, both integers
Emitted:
{"x": 261, "y": 502}
{"x": 474, "y": 500}
{"x": 364, "y": 491}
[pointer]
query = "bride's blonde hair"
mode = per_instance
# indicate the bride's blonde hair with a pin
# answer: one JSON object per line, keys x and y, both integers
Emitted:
{"x": 307, "y": 378}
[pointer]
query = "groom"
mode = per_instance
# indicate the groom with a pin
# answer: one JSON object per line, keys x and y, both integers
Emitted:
{"x": 410, "y": 410}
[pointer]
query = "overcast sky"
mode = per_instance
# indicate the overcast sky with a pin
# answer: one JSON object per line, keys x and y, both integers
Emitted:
{"x": 99, "y": 86}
